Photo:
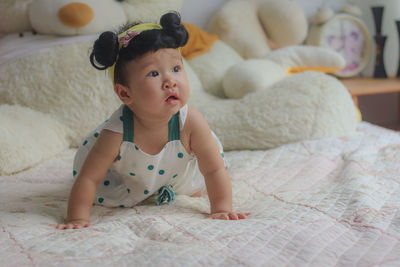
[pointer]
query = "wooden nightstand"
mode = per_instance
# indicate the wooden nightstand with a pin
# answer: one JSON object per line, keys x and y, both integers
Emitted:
{"x": 370, "y": 86}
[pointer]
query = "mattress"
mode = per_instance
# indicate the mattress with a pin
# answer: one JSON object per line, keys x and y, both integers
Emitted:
{"x": 325, "y": 202}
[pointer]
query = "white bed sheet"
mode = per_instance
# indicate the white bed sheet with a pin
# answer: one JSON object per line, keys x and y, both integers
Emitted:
{"x": 316, "y": 203}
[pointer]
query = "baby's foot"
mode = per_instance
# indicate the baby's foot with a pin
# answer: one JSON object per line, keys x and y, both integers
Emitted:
{"x": 198, "y": 194}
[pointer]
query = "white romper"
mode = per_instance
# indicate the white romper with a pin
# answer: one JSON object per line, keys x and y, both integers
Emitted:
{"x": 136, "y": 175}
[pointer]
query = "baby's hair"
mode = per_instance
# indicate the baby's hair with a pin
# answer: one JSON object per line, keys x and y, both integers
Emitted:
{"x": 106, "y": 49}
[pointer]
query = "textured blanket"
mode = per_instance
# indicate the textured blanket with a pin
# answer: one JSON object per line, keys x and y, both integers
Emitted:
{"x": 316, "y": 203}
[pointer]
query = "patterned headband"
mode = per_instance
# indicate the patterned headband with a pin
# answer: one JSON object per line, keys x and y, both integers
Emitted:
{"x": 124, "y": 41}
{"x": 125, "y": 37}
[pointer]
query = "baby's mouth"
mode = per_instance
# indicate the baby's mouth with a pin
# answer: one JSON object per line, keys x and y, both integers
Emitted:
{"x": 172, "y": 97}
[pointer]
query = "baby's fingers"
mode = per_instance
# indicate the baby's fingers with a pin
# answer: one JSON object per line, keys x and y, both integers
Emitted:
{"x": 79, "y": 226}
{"x": 243, "y": 215}
{"x": 233, "y": 216}
{"x": 229, "y": 216}
{"x": 219, "y": 216}
{"x": 71, "y": 226}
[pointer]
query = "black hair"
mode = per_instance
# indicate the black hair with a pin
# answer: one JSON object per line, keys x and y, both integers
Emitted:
{"x": 106, "y": 49}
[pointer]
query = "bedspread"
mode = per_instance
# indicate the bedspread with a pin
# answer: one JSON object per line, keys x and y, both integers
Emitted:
{"x": 317, "y": 203}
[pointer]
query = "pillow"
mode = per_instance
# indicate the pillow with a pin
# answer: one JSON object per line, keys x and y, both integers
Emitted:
{"x": 27, "y": 137}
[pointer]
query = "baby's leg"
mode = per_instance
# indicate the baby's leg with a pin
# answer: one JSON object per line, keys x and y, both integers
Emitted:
{"x": 198, "y": 193}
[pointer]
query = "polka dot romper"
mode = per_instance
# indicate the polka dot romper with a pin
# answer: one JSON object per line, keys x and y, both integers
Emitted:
{"x": 136, "y": 175}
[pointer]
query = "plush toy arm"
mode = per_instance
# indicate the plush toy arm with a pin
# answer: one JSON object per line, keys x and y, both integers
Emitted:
{"x": 258, "y": 74}
{"x": 251, "y": 76}
{"x": 303, "y": 58}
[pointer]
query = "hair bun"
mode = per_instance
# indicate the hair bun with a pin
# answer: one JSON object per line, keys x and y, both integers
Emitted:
{"x": 171, "y": 24}
{"x": 105, "y": 51}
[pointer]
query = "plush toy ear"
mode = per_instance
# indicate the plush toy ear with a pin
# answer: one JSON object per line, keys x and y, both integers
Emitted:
{"x": 237, "y": 24}
{"x": 14, "y": 16}
{"x": 284, "y": 22}
{"x": 247, "y": 25}
{"x": 352, "y": 10}
{"x": 323, "y": 15}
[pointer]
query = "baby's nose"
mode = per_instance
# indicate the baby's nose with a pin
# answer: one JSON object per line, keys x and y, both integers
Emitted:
{"x": 168, "y": 84}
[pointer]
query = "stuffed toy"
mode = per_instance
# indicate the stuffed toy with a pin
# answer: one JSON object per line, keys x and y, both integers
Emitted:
{"x": 51, "y": 97}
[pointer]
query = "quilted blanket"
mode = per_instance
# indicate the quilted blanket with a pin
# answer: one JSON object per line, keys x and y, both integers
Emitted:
{"x": 317, "y": 203}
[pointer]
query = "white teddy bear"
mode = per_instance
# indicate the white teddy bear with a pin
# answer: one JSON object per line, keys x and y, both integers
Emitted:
{"x": 51, "y": 97}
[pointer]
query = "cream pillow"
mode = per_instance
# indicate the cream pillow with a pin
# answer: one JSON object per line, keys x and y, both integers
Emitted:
{"x": 21, "y": 149}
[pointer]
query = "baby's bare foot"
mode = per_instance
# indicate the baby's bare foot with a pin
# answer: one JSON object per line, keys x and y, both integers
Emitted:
{"x": 198, "y": 194}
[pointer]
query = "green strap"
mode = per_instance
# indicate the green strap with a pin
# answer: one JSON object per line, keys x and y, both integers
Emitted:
{"x": 174, "y": 129}
{"x": 127, "y": 119}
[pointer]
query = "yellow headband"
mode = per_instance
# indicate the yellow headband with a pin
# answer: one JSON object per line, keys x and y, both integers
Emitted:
{"x": 137, "y": 28}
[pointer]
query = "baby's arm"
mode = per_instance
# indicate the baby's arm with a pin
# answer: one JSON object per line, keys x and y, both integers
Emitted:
{"x": 100, "y": 157}
{"x": 212, "y": 167}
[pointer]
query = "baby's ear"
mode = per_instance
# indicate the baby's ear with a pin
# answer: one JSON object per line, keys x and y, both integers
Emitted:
{"x": 123, "y": 93}
{"x": 14, "y": 16}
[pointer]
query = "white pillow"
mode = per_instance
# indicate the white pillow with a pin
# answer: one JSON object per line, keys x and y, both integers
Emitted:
{"x": 27, "y": 137}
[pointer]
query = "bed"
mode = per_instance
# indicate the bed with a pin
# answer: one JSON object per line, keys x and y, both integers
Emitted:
{"x": 324, "y": 202}
{"x": 333, "y": 201}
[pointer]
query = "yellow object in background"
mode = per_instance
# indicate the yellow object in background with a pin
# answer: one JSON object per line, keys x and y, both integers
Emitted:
{"x": 358, "y": 113}
{"x": 199, "y": 41}
{"x": 293, "y": 70}
{"x": 76, "y": 15}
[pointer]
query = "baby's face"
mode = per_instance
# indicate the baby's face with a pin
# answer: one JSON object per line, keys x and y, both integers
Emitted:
{"x": 158, "y": 83}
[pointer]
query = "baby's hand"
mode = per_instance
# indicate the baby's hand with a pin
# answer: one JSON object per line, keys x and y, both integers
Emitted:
{"x": 75, "y": 224}
{"x": 228, "y": 216}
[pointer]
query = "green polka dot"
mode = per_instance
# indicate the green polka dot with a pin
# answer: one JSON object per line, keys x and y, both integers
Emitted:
{"x": 132, "y": 174}
{"x": 96, "y": 134}
{"x": 119, "y": 157}
{"x": 136, "y": 147}
{"x": 146, "y": 192}
{"x": 161, "y": 172}
{"x": 84, "y": 142}
{"x": 74, "y": 173}
{"x": 180, "y": 155}
{"x": 121, "y": 206}
{"x": 101, "y": 200}
{"x": 223, "y": 155}
{"x": 175, "y": 176}
{"x": 150, "y": 167}
{"x": 128, "y": 190}
{"x": 106, "y": 182}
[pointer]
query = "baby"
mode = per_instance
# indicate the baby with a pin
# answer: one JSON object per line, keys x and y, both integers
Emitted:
{"x": 154, "y": 143}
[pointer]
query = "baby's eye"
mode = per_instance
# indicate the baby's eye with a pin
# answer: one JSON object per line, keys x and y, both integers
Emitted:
{"x": 153, "y": 74}
{"x": 176, "y": 69}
